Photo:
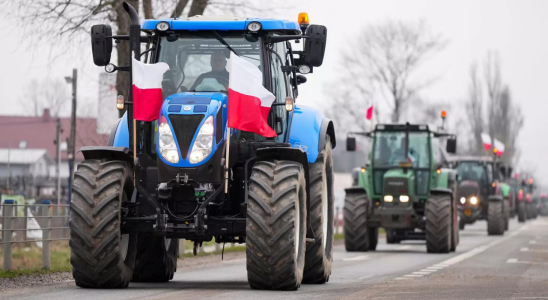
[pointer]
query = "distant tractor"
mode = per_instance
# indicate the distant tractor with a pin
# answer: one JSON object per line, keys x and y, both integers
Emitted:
{"x": 481, "y": 193}
{"x": 543, "y": 205}
{"x": 403, "y": 189}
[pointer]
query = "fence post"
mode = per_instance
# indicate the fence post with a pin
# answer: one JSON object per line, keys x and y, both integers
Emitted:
{"x": 46, "y": 234}
{"x": 7, "y": 226}
{"x": 337, "y": 221}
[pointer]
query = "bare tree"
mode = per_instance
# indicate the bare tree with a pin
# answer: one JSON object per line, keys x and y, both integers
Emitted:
{"x": 503, "y": 119}
{"x": 47, "y": 93}
{"x": 383, "y": 62}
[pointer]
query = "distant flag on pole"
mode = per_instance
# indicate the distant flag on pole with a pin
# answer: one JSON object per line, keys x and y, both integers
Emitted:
{"x": 147, "y": 89}
{"x": 486, "y": 139}
{"x": 499, "y": 148}
{"x": 248, "y": 101}
{"x": 369, "y": 114}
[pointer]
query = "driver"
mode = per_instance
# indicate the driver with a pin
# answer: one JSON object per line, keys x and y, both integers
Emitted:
{"x": 218, "y": 70}
{"x": 399, "y": 155}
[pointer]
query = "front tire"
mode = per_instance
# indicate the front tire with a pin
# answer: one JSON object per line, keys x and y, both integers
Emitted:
{"x": 319, "y": 255}
{"x": 276, "y": 225}
{"x": 506, "y": 215}
{"x": 156, "y": 258}
{"x": 101, "y": 256}
{"x": 356, "y": 233}
{"x": 391, "y": 237}
{"x": 522, "y": 214}
{"x": 495, "y": 218}
{"x": 438, "y": 224}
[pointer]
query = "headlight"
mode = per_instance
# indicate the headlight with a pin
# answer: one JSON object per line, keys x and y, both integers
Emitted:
{"x": 462, "y": 200}
{"x": 166, "y": 143}
{"x": 404, "y": 198}
{"x": 203, "y": 144}
{"x": 473, "y": 200}
{"x": 388, "y": 198}
{"x": 162, "y": 26}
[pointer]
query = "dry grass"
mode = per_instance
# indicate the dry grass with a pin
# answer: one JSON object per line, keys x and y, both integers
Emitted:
{"x": 27, "y": 258}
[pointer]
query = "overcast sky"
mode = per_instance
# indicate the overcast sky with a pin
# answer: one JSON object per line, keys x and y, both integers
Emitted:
{"x": 514, "y": 28}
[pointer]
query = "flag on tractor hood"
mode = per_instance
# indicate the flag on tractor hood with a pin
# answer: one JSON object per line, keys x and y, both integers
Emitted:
{"x": 147, "y": 89}
{"x": 369, "y": 115}
{"x": 248, "y": 101}
{"x": 486, "y": 139}
{"x": 499, "y": 148}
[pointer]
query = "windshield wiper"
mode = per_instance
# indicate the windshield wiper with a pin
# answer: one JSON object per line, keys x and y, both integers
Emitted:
{"x": 222, "y": 40}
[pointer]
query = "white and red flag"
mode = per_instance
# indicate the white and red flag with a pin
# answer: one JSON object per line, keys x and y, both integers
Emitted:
{"x": 499, "y": 148}
{"x": 147, "y": 89}
{"x": 369, "y": 114}
{"x": 486, "y": 139}
{"x": 248, "y": 101}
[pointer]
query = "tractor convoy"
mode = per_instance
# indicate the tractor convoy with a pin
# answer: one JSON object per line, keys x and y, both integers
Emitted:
{"x": 177, "y": 169}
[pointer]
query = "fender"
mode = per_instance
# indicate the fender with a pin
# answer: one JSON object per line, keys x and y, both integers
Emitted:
{"x": 355, "y": 190}
{"x": 441, "y": 191}
{"x": 121, "y": 137}
{"x": 109, "y": 152}
{"x": 112, "y": 134}
{"x": 495, "y": 198}
{"x": 309, "y": 130}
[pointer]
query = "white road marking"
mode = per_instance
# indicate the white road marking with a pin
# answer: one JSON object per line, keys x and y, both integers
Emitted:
{"x": 515, "y": 261}
{"x": 534, "y": 250}
{"x": 412, "y": 275}
{"x": 436, "y": 267}
{"x": 404, "y": 278}
{"x": 365, "y": 277}
{"x": 362, "y": 257}
{"x": 428, "y": 270}
{"x": 421, "y": 273}
{"x": 524, "y": 249}
{"x": 512, "y": 260}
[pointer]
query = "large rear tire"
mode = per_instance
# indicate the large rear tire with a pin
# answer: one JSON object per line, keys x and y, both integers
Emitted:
{"x": 506, "y": 215}
{"x": 522, "y": 213}
{"x": 101, "y": 256}
{"x": 356, "y": 233}
{"x": 319, "y": 255}
{"x": 276, "y": 225}
{"x": 373, "y": 238}
{"x": 438, "y": 224}
{"x": 495, "y": 218}
{"x": 156, "y": 258}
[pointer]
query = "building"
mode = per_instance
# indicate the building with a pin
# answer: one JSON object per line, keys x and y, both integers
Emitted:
{"x": 38, "y": 133}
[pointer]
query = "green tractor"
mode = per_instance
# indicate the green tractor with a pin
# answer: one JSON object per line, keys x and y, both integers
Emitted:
{"x": 403, "y": 189}
{"x": 482, "y": 194}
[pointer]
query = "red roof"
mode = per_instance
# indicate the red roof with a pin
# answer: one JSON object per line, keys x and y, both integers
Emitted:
{"x": 39, "y": 133}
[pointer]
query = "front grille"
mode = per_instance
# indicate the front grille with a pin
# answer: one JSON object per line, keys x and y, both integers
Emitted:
{"x": 396, "y": 186}
{"x": 185, "y": 127}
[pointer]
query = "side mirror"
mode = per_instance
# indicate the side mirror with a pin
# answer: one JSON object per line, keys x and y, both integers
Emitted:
{"x": 301, "y": 79}
{"x": 350, "y": 144}
{"x": 101, "y": 44}
{"x": 314, "y": 45}
{"x": 451, "y": 146}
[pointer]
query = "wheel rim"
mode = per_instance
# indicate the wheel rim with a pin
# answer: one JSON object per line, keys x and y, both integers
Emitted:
{"x": 124, "y": 245}
{"x": 297, "y": 227}
{"x": 325, "y": 201}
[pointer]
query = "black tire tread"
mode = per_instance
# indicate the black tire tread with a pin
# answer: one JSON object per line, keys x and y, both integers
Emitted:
{"x": 95, "y": 235}
{"x": 270, "y": 240}
{"x": 438, "y": 224}
{"x": 155, "y": 263}
{"x": 356, "y": 236}
{"x": 495, "y": 218}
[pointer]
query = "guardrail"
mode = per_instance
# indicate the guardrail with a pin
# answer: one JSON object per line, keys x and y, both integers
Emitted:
{"x": 45, "y": 213}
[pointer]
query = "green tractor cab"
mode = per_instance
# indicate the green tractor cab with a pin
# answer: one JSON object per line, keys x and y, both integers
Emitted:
{"x": 482, "y": 193}
{"x": 403, "y": 189}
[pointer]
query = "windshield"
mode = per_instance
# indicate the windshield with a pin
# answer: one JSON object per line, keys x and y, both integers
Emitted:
{"x": 198, "y": 62}
{"x": 473, "y": 171}
{"x": 389, "y": 149}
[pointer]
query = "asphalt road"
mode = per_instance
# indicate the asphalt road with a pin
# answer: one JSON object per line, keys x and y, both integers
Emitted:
{"x": 514, "y": 266}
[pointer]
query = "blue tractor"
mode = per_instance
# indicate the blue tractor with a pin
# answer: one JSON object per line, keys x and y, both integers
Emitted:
{"x": 161, "y": 181}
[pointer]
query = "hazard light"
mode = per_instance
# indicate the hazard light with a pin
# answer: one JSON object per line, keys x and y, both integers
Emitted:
{"x": 443, "y": 114}
{"x": 120, "y": 102}
{"x": 303, "y": 19}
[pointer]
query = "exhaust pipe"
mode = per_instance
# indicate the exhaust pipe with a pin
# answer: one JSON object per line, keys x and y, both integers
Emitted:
{"x": 132, "y": 13}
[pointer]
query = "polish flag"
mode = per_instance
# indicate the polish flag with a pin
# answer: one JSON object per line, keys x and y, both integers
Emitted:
{"x": 248, "y": 101}
{"x": 369, "y": 114}
{"x": 147, "y": 89}
{"x": 486, "y": 139}
{"x": 499, "y": 147}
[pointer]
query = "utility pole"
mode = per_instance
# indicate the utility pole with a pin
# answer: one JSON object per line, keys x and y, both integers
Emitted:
{"x": 57, "y": 165}
{"x": 72, "y": 142}
{"x": 9, "y": 165}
